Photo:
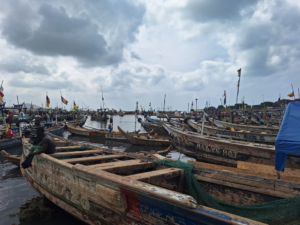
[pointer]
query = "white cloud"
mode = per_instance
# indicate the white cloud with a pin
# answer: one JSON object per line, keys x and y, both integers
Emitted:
{"x": 139, "y": 51}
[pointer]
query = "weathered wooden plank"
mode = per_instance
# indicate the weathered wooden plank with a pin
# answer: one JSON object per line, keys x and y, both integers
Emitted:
{"x": 133, "y": 164}
{"x": 245, "y": 187}
{"x": 165, "y": 173}
{"x": 76, "y": 153}
{"x": 68, "y": 148}
{"x": 247, "y": 174}
{"x": 61, "y": 143}
{"x": 240, "y": 181}
{"x": 92, "y": 158}
{"x": 267, "y": 169}
{"x": 109, "y": 195}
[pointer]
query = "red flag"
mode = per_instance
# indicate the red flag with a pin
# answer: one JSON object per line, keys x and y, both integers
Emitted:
{"x": 1, "y": 95}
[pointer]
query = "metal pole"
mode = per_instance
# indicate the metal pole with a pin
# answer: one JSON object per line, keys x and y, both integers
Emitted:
{"x": 202, "y": 123}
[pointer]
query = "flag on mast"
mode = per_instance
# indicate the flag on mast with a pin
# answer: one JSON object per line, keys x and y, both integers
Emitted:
{"x": 1, "y": 91}
{"x": 291, "y": 94}
{"x": 64, "y": 100}
{"x": 75, "y": 107}
{"x": 47, "y": 101}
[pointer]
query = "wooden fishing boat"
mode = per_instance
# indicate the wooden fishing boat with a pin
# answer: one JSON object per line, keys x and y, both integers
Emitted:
{"x": 151, "y": 127}
{"x": 96, "y": 133}
{"x": 101, "y": 186}
{"x": 104, "y": 117}
{"x": 14, "y": 159}
{"x": 121, "y": 113}
{"x": 222, "y": 124}
{"x": 16, "y": 140}
{"x": 244, "y": 135}
{"x": 143, "y": 139}
{"x": 224, "y": 151}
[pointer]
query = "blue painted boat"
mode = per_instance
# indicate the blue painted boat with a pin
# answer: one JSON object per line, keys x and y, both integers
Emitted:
{"x": 8, "y": 143}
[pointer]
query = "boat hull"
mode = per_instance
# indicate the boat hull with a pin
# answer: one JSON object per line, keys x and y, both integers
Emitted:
{"x": 237, "y": 135}
{"x": 105, "y": 198}
{"x": 15, "y": 141}
{"x": 105, "y": 134}
{"x": 99, "y": 118}
{"x": 222, "y": 151}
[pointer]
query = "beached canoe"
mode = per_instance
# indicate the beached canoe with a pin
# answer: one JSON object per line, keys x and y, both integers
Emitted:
{"x": 224, "y": 151}
{"x": 143, "y": 139}
{"x": 242, "y": 135}
{"x": 96, "y": 133}
{"x": 151, "y": 127}
{"x": 102, "y": 186}
{"x": 223, "y": 124}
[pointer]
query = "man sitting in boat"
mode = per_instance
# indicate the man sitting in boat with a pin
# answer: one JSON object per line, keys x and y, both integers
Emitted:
{"x": 47, "y": 146}
{"x": 34, "y": 139}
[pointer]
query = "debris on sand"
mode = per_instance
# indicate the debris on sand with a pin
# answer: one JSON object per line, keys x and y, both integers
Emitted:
{"x": 37, "y": 208}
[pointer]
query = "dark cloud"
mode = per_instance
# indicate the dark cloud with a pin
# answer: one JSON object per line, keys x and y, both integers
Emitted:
{"x": 52, "y": 31}
{"x": 216, "y": 10}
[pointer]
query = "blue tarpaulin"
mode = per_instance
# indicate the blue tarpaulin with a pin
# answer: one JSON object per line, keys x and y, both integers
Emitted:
{"x": 153, "y": 121}
{"x": 288, "y": 138}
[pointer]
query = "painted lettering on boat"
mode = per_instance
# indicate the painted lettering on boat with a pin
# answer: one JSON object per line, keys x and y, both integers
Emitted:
{"x": 211, "y": 148}
{"x": 61, "y": 190}
{"x": 11, "y": 142}
{"x": 114, "y": 136}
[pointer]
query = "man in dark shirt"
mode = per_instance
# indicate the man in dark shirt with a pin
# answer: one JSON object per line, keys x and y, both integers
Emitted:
{"x": 47, "y": 145}
{"x": 34, "y": 139}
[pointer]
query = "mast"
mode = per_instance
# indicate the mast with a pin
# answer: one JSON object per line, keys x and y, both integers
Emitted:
{"x": 164, "y": 102}
{"x": 102, "y": 98}
{"x": 136, "y": 110}
{"x": 238, "y": 86}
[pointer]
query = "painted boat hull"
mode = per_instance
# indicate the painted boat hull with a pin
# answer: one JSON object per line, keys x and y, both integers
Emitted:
{"x": 99, "y": 118}
{"x": 237, "y": 135}
{"x": 135, "y": 140}
{"x": 106, "y": 198}
{"x": 222, "y": 151}
{"x": 158, "y": 129}
{"x": 105, "y": 134}
{"x": 246, "y": 127}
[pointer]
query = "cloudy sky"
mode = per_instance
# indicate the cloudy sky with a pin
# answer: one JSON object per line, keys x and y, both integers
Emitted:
{"x": 141, "y": 50}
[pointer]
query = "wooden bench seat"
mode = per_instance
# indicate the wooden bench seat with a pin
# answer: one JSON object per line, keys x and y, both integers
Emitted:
{"x": 76, "y": 153}
{"x": 164, "y": 173}
{"x": 123, "y": 167}
{"x": 158, "y": 177}
{"x": 67, "y": 148}
{"x": 92, "y": 158}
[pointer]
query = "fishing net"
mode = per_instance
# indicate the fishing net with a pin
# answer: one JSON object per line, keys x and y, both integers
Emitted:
{"x": 279, "y": 212}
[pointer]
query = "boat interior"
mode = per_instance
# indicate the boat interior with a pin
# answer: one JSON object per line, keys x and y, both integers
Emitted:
{"x": 123, "y": 164}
